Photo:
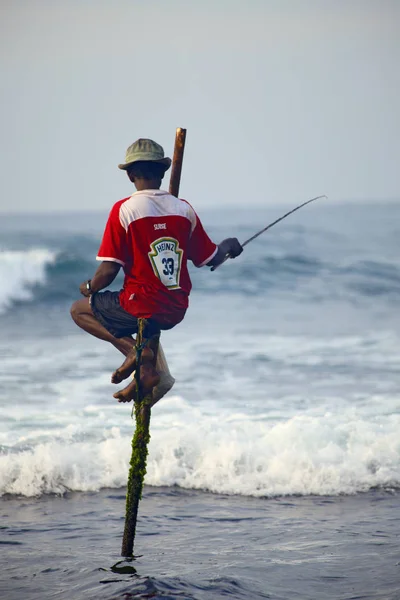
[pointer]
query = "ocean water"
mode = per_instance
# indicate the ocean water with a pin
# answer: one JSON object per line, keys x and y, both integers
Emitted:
{"x": 274, "y": 463}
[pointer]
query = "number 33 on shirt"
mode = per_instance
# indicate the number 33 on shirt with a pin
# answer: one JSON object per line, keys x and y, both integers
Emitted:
{"x": 166, "y": 260}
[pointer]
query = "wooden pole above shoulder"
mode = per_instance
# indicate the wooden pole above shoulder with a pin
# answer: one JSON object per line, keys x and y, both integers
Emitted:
{"x": 176, "y": 169}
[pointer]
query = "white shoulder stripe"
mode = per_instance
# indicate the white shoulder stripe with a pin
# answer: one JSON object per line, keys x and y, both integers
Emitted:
{"x": 160, "y": 205}
{"x": 109, "y": 259}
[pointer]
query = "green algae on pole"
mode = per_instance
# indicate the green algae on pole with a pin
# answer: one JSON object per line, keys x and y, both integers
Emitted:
{"x": 141, "y": 438}
{"x": 137, "y": 472}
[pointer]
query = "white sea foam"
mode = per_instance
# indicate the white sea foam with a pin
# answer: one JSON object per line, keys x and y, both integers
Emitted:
{"x": 329, "y": 454}
{"x": 19, "y": 270}
{"x": 230, "y": 453}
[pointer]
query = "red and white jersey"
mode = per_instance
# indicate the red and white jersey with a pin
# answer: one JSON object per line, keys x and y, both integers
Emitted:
{"x": 152, "y": 235}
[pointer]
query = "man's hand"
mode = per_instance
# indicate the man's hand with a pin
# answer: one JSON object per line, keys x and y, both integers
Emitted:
{"x": 105, "y": 274}
{"x": 84, "y": 289}
{"x": 229, "y": 248}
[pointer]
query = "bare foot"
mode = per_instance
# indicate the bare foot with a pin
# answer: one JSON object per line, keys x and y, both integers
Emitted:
{"x": 129, "y": 364}
{"x": 166, "y": 383}
{"x": 149, "y": 378}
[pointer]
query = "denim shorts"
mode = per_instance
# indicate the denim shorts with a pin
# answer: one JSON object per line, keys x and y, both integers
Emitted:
{"x": 109, "y": 312}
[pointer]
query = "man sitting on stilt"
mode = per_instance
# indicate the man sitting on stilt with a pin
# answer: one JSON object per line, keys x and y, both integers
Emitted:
{"x": 151, "y": 235}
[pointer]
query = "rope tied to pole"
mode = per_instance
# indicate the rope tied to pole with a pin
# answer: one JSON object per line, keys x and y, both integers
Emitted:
{"x": 140, "y": 344}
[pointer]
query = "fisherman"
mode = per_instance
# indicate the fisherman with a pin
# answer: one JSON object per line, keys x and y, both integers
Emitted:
{"x": 151, "y": 235}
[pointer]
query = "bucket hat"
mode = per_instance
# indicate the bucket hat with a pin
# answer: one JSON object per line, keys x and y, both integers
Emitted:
{"x": 144, "y": 149}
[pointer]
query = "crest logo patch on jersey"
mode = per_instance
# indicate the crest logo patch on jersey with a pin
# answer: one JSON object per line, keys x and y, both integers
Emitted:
{"x": 166, "y": 260}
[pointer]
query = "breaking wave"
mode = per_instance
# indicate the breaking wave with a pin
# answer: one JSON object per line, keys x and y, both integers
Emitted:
{"x": 42, "y": 275}
{"x": 21, "y": 272}
{"x": 326, "y": 454}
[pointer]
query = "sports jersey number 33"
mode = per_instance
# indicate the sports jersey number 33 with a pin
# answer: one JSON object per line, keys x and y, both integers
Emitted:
{"x": 166, "y": 259}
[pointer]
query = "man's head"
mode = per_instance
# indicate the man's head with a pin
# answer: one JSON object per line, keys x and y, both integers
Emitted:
{"x": 145, "y": 164}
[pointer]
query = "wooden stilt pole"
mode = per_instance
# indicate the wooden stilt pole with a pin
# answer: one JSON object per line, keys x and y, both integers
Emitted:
{"x": 141, "y": 438}
{"x": 142, "y": 406}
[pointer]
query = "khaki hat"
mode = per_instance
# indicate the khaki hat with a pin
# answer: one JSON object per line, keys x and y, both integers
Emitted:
{"x": 147, "y": 150}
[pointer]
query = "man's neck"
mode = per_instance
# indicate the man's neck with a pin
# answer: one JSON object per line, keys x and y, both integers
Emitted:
{"x": 147, "y": 184}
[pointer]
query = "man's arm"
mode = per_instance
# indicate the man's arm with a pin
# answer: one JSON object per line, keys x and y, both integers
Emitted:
{"x": 230, "y": 247}
{"x": 201, "y": 248}
{"x": 105, "y": 274}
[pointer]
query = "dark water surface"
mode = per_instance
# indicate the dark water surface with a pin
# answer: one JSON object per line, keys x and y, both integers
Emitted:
{"x": 196, "y": 545}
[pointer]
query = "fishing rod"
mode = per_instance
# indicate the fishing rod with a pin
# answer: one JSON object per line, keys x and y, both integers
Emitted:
{"x": 253, "y": 237}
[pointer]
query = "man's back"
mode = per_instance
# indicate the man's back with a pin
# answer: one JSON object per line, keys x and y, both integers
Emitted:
{"x": 153, "y": 234}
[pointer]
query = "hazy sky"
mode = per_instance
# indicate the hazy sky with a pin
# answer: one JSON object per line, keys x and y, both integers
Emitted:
{"x": 282, "y": 99}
